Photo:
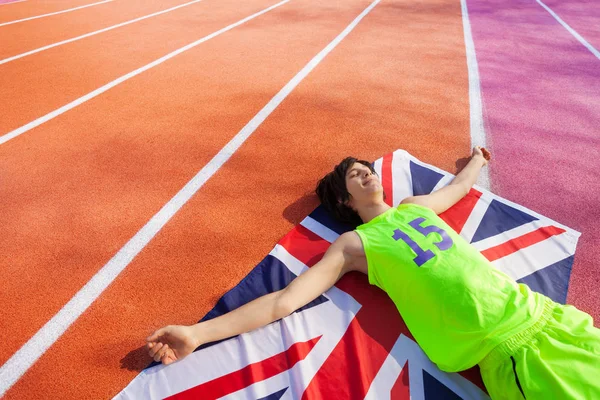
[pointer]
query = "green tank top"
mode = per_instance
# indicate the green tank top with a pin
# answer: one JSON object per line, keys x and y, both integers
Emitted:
{"x": 455, "y": 303}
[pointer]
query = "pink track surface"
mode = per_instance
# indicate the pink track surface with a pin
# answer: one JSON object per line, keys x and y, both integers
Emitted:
{"x": 542, "y": 110}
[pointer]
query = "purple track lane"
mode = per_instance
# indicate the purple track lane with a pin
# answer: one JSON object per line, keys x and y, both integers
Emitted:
{"x": 541, "y": 97}
{"x": 581, "y": 15}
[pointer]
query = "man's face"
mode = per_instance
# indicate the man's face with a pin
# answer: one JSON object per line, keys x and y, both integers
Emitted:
{"x": 362, "y": 184}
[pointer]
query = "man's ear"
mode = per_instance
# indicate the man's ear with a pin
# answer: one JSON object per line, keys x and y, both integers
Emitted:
{"x": 348, "y": 202}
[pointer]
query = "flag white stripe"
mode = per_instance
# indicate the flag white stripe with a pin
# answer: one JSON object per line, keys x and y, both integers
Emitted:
{"x": 445, "y": 181}
{"x": 401, "y": 178}
{"x": 474, "y": 219}
{"x": 536, "y": 257}
{"x": 377, "y": 166}
{"x": 319, "y": 229}
{"x": 292, "y": 263}
{"x": 386, "y": 377}
{"x": 405, "y": 350}
{"x": 508, "y": 235}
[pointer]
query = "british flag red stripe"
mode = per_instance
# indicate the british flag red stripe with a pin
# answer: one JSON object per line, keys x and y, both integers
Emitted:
{"x": 386, "y": 179}
{"x": 256, "y": 372}
{"x": 457, "y": 216}
{"x": 521, "y": 242}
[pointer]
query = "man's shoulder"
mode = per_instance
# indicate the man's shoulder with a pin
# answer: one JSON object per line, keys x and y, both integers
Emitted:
{"x": 352, "y": 244}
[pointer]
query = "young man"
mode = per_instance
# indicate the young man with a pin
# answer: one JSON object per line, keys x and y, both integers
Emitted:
{"x": 459, "y": 308}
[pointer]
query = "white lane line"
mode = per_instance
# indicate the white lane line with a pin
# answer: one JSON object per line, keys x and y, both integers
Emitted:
{"x": 572, "y": 31}
{"x": 12, "y": 2}
{"x": 478, "y": 137}
{"x": 94, "y": 33}
{"x": 51, "y": 115}
{"x": 35, "y": 347}
{"x": 55, "y": 13}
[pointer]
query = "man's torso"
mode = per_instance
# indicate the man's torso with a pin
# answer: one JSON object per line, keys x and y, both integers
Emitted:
{"x": 454, "y": 302}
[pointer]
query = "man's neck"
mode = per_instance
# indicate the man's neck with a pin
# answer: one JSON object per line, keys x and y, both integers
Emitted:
{"x": 370, "y": 211}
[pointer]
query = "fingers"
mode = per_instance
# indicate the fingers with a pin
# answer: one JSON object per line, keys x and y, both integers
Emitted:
{"x": 483, "y": 151}
{"x": 155, "y": 349}
{"x": 161, "y": 353}
{"x": 169, "y": 357}
{"x": 486, "y": 154}
{"x": 157, "y": 333}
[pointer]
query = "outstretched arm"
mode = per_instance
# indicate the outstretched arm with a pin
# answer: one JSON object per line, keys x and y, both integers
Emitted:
{"x": 174, "y": 342}
{"x": 441, "y": 200}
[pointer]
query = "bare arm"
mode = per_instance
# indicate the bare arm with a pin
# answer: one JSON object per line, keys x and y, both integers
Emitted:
{"x": 174, "y": 342}
{"x": 441, "y": 200}
{"x": 264, "y": 310}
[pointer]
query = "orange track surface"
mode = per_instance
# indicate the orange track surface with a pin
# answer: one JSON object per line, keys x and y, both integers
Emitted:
{"x": 69, "y": 25}
{"x": 33, "y": 8}
{"x": 78, "y": 187}
{"x": 83, "y": 66}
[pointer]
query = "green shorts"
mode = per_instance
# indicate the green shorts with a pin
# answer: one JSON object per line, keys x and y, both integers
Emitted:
{"x": 557, "y": 358}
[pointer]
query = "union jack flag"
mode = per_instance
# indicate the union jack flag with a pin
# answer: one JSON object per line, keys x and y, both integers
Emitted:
{"x": 351, "y": 343}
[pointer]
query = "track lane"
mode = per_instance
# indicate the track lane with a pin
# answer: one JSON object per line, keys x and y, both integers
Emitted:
{"x": 39, "y": 33}
{"x": 66, "y": 73}
{"x": 540, "y": 88}
{"x": 5, "y": 2}
{"x": 373, "y": 94}
{"x": 581, "y": 15}
{"x": 32, "y": 8}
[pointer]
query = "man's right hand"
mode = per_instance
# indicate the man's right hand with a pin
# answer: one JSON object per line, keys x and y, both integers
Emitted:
{"x": 483, "y": 153}
{"x": 171, "y": 343}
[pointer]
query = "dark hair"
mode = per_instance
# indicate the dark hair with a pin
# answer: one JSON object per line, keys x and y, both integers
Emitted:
{"x": 333, "y": 193}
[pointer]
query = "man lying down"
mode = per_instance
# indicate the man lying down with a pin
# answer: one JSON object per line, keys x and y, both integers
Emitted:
{"x": 459, "y": 308}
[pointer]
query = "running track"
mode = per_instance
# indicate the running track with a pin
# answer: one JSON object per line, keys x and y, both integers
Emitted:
{"x": 76, "y": 188}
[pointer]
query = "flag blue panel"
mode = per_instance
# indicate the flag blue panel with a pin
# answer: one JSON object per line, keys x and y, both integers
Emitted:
{"x": 274, "y": 396}
{"x": 267, "y": 277}
{"x": 321, "y": 215}
{"x": 423, "y": 179}
{"x": 553, "y": 281}
{"x": 499, "y": 218}
{"x": 435, "y": 390}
